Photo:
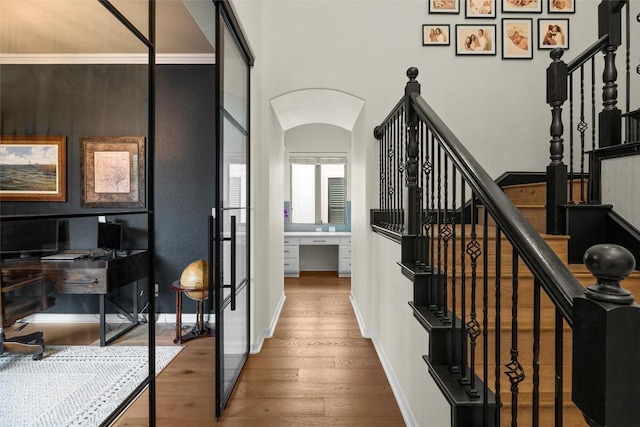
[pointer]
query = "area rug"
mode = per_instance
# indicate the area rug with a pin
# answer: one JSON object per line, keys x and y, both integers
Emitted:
{"x": 72, "y": 385}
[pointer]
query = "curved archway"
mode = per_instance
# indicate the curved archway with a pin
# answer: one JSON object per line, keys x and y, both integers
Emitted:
{"x": 308, "y": 106}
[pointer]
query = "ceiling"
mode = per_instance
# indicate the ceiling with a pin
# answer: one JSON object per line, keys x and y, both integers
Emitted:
{"x": 85, "y": 26}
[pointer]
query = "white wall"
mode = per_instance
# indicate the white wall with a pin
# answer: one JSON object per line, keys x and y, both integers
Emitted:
{"x": 363, "y": 47}
{"x": 620, "y": 177}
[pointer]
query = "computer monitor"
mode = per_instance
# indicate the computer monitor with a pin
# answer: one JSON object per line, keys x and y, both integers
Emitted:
{"x": 28, "y": 238}
{"x": 110, "y": 236}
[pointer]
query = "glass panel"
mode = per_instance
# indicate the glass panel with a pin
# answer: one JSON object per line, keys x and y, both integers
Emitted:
{"x": 136, "y": 12}
{"x": 235, "y": 153}
{"x": 236, "y": 74}
{"x": 232, "y": 306}
{"x": 235, "y": 341}
{"x": 63, "y": 27}
{"x": 71, "y": 69}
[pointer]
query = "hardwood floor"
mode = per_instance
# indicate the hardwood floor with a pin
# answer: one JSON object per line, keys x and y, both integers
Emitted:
{"x": 316, "y": 370}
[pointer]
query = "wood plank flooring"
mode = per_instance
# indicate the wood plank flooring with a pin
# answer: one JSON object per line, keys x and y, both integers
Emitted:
{"x": 316, "y": 370}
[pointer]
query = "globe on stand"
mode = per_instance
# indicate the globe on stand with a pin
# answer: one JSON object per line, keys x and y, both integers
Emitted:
{"x": 196, "y": 276}
{"x": 194, "y": 283}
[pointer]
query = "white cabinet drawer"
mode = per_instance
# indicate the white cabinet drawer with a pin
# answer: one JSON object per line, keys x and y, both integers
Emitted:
{"x": 291, "y": 265}
{"x": 345, "y": 265}
{"x": 318, "y": 241}
{"x": 291, "y": 251}
{"x": 291, "y": 241}
{"x": 345, "y": 241}
{"x": 345, "y": 251}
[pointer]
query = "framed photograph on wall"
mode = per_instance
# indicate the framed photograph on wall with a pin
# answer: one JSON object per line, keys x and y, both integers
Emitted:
{"x": 33, "y": 168}
{"x": 553, "y": 33}
{"x": 522, "y": 6}
{"x": 480, "y": 8}
{"x": 112, "y": 172}
{"x": 561, "y": 6}
{"x": 475, "y": 39}
{"x": 436, "y": 35}
{"x": 517, "y": 38}
{"x": 444, "y": 6}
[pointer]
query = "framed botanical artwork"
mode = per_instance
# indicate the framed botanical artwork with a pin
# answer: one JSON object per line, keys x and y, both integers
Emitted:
{"x": 561, "y": 6}
{"x": 480, "y": 8}
{"x": 522, "y": 6}
{"x": 517, "y": 38}
{"x": 475, "y": 39}
{"x": 553, "y": 33}
{"x": 33, "y": 168}
{"x": 112, "y": 172}
{"x": 436, "y": 35}
{"x": 444, "y": 6}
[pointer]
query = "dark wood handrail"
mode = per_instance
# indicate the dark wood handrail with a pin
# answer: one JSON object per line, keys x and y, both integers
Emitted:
{"x": 554, "y": 276}
{"x": 589, "y": 53}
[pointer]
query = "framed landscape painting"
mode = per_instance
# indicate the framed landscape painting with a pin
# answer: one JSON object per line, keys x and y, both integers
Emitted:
{"x": 112, "y": 172}
{"x": 33, "y": 168}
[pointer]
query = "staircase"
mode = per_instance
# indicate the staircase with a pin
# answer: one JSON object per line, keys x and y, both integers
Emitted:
{"x": 529, "y": 199}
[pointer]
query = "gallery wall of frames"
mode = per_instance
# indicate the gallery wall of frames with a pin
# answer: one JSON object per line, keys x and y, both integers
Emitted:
{"x": 515, "y": 28}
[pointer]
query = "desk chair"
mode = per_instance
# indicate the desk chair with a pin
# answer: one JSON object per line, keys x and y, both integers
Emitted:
{"x": 15, "y": 307}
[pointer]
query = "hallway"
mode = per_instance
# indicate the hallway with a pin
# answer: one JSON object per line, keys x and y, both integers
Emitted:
{"x": 317, "y": 370}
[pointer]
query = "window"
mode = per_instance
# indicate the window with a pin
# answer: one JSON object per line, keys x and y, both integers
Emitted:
{"x": 318, "y": 190}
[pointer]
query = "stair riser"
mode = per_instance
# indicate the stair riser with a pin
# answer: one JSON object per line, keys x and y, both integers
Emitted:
{"x": 536, "y": 193}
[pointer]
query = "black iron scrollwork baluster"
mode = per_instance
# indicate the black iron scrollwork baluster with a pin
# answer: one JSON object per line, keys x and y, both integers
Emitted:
{"x": 473, "y": 327}
{"x": 515, "y": 373}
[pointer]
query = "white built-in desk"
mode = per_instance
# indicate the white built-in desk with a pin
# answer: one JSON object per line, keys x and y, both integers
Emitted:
{"x": 296, "y": 252}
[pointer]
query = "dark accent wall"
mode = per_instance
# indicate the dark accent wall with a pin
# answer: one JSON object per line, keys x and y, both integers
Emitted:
{"x": 185, "y": 172}
{"x": 111, "y": 100}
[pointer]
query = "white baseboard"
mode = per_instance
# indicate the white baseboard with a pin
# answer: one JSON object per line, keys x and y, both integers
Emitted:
{"x": 401, "y": 399}
{"x": 268, "y": 333}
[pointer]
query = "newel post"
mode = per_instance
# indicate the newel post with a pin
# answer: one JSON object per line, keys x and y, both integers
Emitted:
{"x": 606, "y": 342}
{"x": 411, "y": 118}
{"x": 557, "y": 170}
{"x": 610, "y": 118}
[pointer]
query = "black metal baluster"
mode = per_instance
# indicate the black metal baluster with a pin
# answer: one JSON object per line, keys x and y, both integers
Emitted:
{"x": 473, "y": 327}
{"x": 433, "y": 222}
{"x": 514, "y": 371}
{"x": 454, "y": 367}
{"x": 485, "y": 316}
{"x": 582, "y": 127}
{"x": 559, "y": 365}
{"x": 394, "y": 173}
{"x": 387, "y": 189}
{"x": 536, "y": 355}
{"x": 446, "y": 237}
{"x": 463, "y": 278}
{"x": 402, "y": 143}
{"x": 439, "y": 223}
{"x": 498, "y": 331}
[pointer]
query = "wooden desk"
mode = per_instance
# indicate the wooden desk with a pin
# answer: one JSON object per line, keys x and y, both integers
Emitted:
{"x": 88, "y": 276}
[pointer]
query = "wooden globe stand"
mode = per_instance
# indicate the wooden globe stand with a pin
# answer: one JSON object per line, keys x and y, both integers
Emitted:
{"x": 199, "y": 330}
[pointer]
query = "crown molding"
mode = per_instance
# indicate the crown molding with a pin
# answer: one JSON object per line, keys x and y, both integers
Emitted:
{"x": 107, "y": 58}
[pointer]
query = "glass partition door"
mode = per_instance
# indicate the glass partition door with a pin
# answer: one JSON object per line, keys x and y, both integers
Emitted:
{"x": 231, "y": 226}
